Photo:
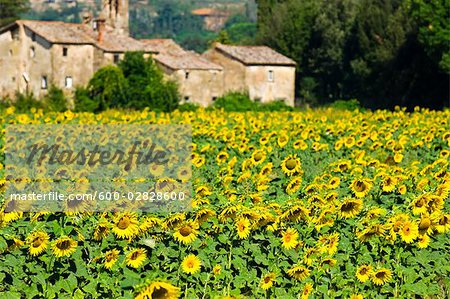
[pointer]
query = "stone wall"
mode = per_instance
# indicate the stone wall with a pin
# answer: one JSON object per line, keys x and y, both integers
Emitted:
{"x": 269, "y": 83}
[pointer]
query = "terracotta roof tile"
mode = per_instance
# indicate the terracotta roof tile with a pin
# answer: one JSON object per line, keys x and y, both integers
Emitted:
{"x": 163, "y": 45}
{"x": 73, "y": 33}
{"x": 205, "y": 12}
{"x": 175, "y": 57}
{"x": 255, "y": 55}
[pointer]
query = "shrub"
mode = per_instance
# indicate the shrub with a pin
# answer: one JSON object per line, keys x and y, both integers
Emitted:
{"x": 25, "y": 101}
{"x": 350, "y": 105}
{"x": 278, "y": 105}
{"x": 235, "y": 101}
{"x": 55, "y": 100}
{"x": 188, "y": 107}
{"x": 82, "y": 101}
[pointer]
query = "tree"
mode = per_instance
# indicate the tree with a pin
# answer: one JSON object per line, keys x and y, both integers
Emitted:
{"x": 146, "y": 84}
{"x": 433, "y": 18}
{"x": 10, "y": 10}
{"x": 108, "y": 88}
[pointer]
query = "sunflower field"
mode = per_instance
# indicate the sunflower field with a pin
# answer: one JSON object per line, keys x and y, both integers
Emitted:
{"x": 320, "y": 203}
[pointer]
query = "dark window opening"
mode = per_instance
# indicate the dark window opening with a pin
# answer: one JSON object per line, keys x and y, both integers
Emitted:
{"x": 214, "y": 99}
{"x": 65, "y": 51}
{"x": 186, "y": 99}
{"x": 44, "y": 82}
{"x": 33, "y": 36}
{"x": 116, "y": 58}
{"x": 186, "y": 75}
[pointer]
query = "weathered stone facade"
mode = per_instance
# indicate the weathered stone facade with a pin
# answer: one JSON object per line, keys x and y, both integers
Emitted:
{"x": 265, "y": 74}
{"x": 36, "y": 54}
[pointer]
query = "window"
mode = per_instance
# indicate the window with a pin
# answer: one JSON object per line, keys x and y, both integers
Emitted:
{"x": 13, "y": 79}
{"x": 32, "y": 52}
{"x": 44, "y": 82}
{"x": 214, "y": 99}
{"x": 186, "y": 99}
{"x": 15, "y": 34}
{"x": 33, "y": 36}
{"x": 116, "y": 58}
{"x": 186, "y": 75}
{"x": 270, "y": 76}
{"x": 69, "y": 82}
{"x": 65, "y": 51}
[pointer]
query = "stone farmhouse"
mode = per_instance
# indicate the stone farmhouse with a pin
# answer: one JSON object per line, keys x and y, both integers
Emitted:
{"x": 35, "y": 54}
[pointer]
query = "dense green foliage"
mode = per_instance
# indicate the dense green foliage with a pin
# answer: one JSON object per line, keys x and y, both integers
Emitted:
{"x": 10, "y": 10}
{"x": 384, "y": 52}
{"x": 136, "y": 83}
{"x": 240, "y": 102}
{"x": 55, "y": 100}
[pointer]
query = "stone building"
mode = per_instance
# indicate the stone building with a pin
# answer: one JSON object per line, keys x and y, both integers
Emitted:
{"x": 36, "y": 54}
{"x": 200, "y": 81}
{"x": 262, "y": 72}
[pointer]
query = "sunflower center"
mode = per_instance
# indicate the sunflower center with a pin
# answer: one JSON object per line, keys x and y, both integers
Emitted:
{"x": 360, "y": 186}
{"x": 267, "y": 279}
{"x": 160, "y": 294}
{"x": 134, "y": 255}
{"x": 424, "y": 224}
{"x": 347, "y": 207}
{"x": 380, "y": 275}
{"x": 186, "y": 231}
{"x": 287, "y": 237}
{"x": 37, "y": 242}
{"x": 63, "y": 245}
{"x": 258, "y": 156}
{"x": 124, "y": 222}
{"x": 363, "y": 271}
{"x": 291, "y": 164}
{"x": 190, "y": 264}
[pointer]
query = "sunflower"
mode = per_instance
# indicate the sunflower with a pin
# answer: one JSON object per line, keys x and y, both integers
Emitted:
{"x": 289, "y": 238}
{"x": 126, "y": 225}
{"x": 243, "y": 228}
{"x": 307, "y": 290}
{"x": 159, "y": 290}
{"x": 38, "y": 242}
{"x": 423, "y": 241}
{"x": 291, "y": 164}
{"x": 191, "y": 264}
{"x": 409, "y": 231}
{"x": 258, "y": 157}
{"x": 282, "y": 140}
{"x": 442, "y": 222}
{"x": 136, "y": 257}
{"x": 217, "y": 269}
{"x": 388, "y": 183}
{"x": 204, "y": 214}
{"x": 64, "y": 246}
{"x": 186, "y": 233}
{"x": 363, "y": 273}
{"x": 298, "y": 272}
{"x": 350, "y": 208}
{"x": 425, "y": 225}
{"x": 294, "y": 185}
{"x": 356, "y": 296}
{"x": 267, "y": 280}
{"x": 222, "y": 157}
{"x": 101, "y": 230}
{"x": 111, "y": 258}
{"x": 334, "y": 182}
{"x": 381, "y": 276}
{"x": 360, "y": 187}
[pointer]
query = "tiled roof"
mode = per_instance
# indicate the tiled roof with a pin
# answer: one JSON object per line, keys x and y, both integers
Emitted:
{"x": 72, "y": 33}
{"x": 187, "y": 60}
{"x": 175, "y": 57}
{"x": 58, "y": 32}
{"x": 205, "y": 12}
{"x": 255, "y": 55}
{"x": 162, "y": 45}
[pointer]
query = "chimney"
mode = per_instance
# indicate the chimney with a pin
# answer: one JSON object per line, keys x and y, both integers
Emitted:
{"x": 101, "y": 24}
